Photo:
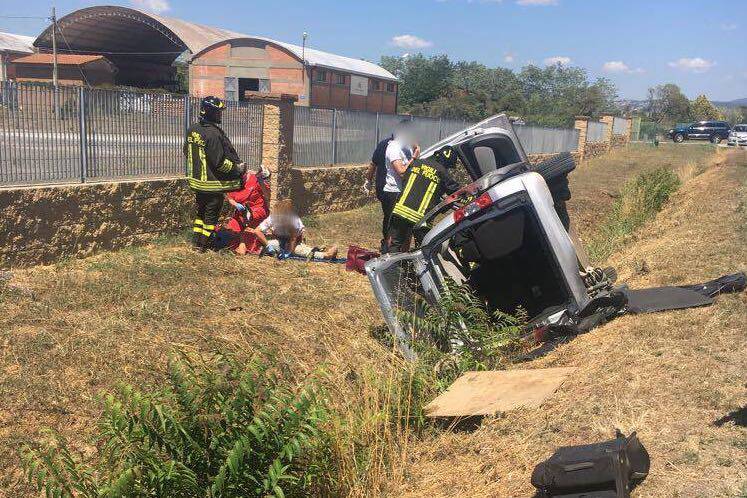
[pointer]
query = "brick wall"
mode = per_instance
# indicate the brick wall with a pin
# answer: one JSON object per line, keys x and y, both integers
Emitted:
{"x": 44, "y": 224}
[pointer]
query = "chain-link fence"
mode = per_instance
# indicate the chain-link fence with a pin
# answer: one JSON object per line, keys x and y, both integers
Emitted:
{"x": 72, "y": 134}
{"x": 596, "y": 132}
{"x": 325, "y": 136}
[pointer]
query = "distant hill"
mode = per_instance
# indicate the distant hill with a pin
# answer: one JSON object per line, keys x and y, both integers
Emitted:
{"x": 731, "y": 103}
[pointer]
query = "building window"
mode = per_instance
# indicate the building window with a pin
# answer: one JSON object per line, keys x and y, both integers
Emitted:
{"x": 340, "y": 79}
{"x": 390, "y": 87}
{"x": 375, "y": 85}
{"x": 320, "y": 75}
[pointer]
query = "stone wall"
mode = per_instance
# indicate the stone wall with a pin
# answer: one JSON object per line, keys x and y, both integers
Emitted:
{"x": 328, "y": 188}
{"x": 594, "y": 149}
{"x": 619, "y": 140}
{"x": 45, "y": 224}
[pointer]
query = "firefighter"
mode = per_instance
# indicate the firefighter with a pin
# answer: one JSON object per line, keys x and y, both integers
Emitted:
{"x": 213, "y": 168}
{"x": 425, "y": 182}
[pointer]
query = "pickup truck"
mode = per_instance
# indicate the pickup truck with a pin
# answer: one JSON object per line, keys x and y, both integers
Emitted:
{"x": 714, "y": 131}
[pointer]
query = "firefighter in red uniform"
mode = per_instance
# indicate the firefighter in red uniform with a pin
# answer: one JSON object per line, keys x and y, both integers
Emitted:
{"x": 251, "y": 207}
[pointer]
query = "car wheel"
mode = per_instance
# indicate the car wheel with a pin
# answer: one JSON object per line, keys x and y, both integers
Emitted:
{"x": 715, "y": 139}
{"x": 679, "y": 138}
{"x": 557, "y": 166}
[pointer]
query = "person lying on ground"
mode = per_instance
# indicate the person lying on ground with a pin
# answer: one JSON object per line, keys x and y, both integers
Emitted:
{"x": 283, "y": 233}
{"x": 250, "y": 207}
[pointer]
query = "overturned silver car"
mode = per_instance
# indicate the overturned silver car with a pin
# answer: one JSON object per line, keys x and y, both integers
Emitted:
{"x": 502, "y": 235}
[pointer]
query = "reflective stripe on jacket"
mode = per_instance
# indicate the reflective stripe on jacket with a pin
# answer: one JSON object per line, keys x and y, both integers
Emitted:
{"x": 212, "y": 162}
{"x": 424, "y": 184}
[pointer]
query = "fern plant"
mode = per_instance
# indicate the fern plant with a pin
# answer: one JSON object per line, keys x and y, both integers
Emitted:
{"x": 219, "y": 428}
{"x": 477, "y": 338}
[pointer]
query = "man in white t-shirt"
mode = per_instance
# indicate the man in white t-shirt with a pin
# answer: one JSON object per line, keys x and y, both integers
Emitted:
{"x": 282, "y": 232}
{"x": 399, "y": 154}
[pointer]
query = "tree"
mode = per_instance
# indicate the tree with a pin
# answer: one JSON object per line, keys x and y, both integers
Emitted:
{"x": 667, "y": 104}
{"x": 422, "y": 79}
{"x": 702, "y": 109}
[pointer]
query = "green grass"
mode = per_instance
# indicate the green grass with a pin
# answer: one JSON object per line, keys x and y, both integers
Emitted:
{"x": 639, "y": 201}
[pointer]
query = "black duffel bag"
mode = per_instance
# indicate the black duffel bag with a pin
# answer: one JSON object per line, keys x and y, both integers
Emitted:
{"x": 607, "y": 469}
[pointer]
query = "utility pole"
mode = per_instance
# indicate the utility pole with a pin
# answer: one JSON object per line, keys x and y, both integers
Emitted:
{"x": 54, "y": 47}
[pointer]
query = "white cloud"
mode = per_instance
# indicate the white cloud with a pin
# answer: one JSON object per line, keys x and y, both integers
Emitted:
{"x": 620, "y": 67}
{"x": 410, "y": 42}
{"x": 537, "y": 2}
{"x": 694, "y": 64}
{"x": 558, "y": 59}
{"x": 729, "y": 26}
{"x": 509, "y": 58}
{"x": 156, "y": 6}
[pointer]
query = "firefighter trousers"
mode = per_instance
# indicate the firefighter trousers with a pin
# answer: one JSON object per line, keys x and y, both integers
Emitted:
{"x": 209, "y": 205}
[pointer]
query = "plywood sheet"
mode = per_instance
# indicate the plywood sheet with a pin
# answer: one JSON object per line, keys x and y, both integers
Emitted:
{"x": 492, "y": 392}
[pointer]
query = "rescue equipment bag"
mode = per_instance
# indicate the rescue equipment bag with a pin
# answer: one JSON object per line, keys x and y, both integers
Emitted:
{"x": 358, "y": 257}
{"x": 610, "y": 468}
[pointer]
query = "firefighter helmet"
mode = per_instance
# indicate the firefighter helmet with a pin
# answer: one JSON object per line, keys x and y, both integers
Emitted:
{"x": 211, "y": 109}
{"x": 447, "y": 156}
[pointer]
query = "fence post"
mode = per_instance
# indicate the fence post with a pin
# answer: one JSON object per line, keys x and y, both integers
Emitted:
{"x": 378, "y": 131}
{"x": 582, "y": 125}
{"x": 277, "y": 141}
{"x": 83, "y": 134}
{"x": 187, "y": 119}
{"x": 334, "y": 136}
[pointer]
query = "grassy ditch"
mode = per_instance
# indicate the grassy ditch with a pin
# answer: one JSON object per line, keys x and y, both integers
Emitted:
{"x": 638, "y": 202}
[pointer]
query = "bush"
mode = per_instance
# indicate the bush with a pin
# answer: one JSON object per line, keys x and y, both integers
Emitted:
{"x": 639, "y": 201}
{"x": 219, "y": 428}
{"x": 475, "y": 338}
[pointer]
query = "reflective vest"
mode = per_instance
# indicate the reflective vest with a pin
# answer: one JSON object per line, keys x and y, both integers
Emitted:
{"x": 212, "y": 162}
{"x": 422, "y": 188}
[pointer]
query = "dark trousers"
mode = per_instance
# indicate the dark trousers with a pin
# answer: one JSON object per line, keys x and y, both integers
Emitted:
{"x": 209, "y": 205}
{"x": 387, "y": 200}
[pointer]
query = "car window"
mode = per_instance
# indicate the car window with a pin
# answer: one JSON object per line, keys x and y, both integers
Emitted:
{"x": 710, "y": 124}
{"x": 740, "y": 128}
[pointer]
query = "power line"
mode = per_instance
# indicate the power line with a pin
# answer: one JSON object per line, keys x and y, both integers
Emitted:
{"x": 80, "y": 68}
{"x": 24, "y": 17}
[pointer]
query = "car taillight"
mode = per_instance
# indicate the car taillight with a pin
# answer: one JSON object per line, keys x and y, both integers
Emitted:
{"x": 478, "y": 204}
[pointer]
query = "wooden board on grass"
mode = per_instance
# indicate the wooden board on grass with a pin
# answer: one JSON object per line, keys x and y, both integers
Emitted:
{"x": 493, "y": 392}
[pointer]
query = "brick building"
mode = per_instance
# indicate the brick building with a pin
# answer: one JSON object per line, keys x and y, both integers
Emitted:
{"x": 88, "y": 70}
{"x": 144, "y": 46}
{"x": 11, "y": 47}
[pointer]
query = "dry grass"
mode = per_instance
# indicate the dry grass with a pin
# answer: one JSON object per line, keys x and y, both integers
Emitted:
{"x": 668, "y": 375}
{"x": 73, "y": 330}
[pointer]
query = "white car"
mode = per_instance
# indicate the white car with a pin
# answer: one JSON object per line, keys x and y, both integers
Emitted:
{"x": 738, "y": 135}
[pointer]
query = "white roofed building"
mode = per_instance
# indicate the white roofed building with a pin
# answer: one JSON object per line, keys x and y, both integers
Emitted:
{"x": 11, "y": 47}
{"x": 143, "y": 47}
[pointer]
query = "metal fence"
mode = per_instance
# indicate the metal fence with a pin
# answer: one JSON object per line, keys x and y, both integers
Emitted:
{"x": 326, "y": 136}
{"x": 73, "y": 134}
{"x": 541, "y": 140}
{"x": 620, "y": 126}
{"x": 596, "y": 132}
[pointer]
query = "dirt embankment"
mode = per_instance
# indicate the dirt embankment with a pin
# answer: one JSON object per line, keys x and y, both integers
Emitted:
{"x": 674, "y": 377}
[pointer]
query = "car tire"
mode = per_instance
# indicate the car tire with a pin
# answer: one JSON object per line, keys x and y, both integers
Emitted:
{"x": 678, "y": 138}
{"x": 715, "y": 139}
{"x": 555, "y": 167}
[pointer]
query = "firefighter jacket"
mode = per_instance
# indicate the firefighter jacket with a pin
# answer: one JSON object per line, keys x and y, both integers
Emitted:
{"x": 425, "y": 182}
{"x": 212, "y": 162}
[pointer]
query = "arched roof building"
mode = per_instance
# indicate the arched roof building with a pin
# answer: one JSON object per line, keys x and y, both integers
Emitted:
{"x": 143, "y": 46}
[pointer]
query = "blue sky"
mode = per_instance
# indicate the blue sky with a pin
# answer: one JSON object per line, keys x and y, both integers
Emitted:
{"x": 635, "y": 43}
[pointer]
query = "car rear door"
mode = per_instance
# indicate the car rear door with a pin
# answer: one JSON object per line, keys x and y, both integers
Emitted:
{"x": 697, "y": 130}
